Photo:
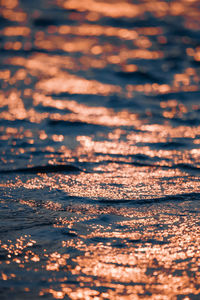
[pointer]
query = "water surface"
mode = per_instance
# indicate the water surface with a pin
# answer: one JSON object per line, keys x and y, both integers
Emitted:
{"x": 100, "y": 149}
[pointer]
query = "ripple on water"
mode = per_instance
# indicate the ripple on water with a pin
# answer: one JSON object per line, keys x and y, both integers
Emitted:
{"x": 99, "y": 149}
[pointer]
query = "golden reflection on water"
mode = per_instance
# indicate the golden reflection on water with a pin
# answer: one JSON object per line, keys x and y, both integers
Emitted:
{"x": 80, "y": 91}
{"x": 127, "y": 264}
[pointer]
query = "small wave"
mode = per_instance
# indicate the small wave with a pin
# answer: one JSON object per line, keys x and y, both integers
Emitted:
{"x": 67, "y": 123}
{"x": 139, "y": 76}
{"x": 172, "y": 145}
{"x": 44, "y": 169}
{"x": 188, "y": 168}
{"x": 44, "y": 22}
{"x": 177, "y": 197}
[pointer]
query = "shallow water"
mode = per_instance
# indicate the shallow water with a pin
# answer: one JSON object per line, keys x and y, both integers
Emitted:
{"x": 100, "y": 149}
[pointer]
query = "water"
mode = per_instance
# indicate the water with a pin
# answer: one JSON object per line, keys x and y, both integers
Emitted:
{"x": 100, "y": 149}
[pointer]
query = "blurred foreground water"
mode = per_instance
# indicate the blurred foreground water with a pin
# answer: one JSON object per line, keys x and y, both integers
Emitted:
{"x": 100, "y": 149}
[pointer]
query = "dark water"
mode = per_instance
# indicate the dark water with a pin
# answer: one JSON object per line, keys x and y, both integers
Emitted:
{"x": 100, "y": 149}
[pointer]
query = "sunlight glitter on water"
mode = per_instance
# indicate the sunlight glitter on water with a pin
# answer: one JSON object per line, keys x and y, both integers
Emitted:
{"x": 99, "y": 149}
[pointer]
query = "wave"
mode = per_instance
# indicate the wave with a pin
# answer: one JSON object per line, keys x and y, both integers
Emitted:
{"x": 178, "y": 197}
{"x": 44, "y": 169}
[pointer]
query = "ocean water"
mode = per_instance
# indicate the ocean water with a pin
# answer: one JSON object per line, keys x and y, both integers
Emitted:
{"x": 100, "y": 149}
